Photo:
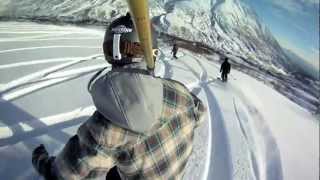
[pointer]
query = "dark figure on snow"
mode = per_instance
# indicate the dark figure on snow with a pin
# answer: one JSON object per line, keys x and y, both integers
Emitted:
{"x": 175, "y": 50}
{"x": 225, "y": 70}
{"x": 142, "y": 128}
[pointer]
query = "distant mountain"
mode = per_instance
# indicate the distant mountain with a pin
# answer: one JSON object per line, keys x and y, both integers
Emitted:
{"x": 243, "y": 25}
{"x": 301, "y": 66}
{"x": 230, "y": 27}
{"x": 226, "y": 25}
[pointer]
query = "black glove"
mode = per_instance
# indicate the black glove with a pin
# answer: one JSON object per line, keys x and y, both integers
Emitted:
{"x": 42, "y": 162}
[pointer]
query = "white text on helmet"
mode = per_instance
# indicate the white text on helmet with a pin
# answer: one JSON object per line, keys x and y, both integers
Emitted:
{"x": 121, "y": 29}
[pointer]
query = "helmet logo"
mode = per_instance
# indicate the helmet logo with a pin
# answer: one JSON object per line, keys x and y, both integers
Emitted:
{"x": 133, "y": 48}
{"x": 121, "y": 29}
{"x": 136, "y": 49}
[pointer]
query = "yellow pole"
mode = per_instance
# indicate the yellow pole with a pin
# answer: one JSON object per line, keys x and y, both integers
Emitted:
{"x": 140, "y": 14}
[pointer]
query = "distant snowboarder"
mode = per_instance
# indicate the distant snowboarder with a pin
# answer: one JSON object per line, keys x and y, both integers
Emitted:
{"x": 143, "y": 126}
{"x": 225, "y": 70}
{"x": 175, "y": 50}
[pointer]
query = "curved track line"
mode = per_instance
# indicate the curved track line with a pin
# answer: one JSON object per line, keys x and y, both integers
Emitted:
{"x": 6, "y": 132}
{"x": 25, "y": 38}
{"x": 219, "y": 165}
{"x": 50, "y": 39}
{"x": 209, "y": 147}
{"x": 43, "y": 73}
{"x": 192, "y": 86}
{"x": 33, "y": 32}
{"x": 49, "y": 47}
{"x": 77, "y": 71}
{"x": 43, "y": 61}
{"x": 253, "y": 156}
{"x": 272, "y": 167}
{"x": 272, "y": 156}
{"x": 50, "y": 82}
{"x": 31, "y": 37}
{"x": 37, "y": 75}
{"x": 222, "y": 161}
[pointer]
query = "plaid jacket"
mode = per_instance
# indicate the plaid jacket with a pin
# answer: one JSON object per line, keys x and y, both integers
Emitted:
{"x": 160, "y": 154}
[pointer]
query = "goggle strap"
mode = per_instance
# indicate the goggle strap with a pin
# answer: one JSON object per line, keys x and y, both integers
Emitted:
{"x": 116, "y": 47}
{"x": 121, "y": 48}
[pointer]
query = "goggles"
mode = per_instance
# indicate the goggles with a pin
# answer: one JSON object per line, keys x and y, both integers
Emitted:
{"x": 120, "y": 49}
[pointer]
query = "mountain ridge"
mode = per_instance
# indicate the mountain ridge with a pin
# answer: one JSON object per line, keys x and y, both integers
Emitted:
{"x": 230, "y": 27}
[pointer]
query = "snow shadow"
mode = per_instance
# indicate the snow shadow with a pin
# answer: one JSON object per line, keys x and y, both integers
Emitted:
{"x": 220, "y": 160}
{"x": 16, "y": 151}
{"x": 34, "y": 83}
{"x": 271, "y": 154}
{"x": 167, "y": 68}
{"x": 242, "y": 120}
{"x": 220, "y": 163}
{"x": 12, "y": 117}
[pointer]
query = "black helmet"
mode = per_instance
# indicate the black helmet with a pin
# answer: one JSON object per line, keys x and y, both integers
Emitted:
{"x": 121, "y": 43}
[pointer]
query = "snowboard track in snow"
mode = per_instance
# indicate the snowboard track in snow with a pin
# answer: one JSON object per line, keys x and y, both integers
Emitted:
{"x": 253, "y": 157}
{"x": 220, "y": 160}
{"x": 272, "y": 168}
{"x": 14, "y": 129}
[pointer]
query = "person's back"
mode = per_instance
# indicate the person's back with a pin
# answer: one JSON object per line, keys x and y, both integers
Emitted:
{"x": 225, "y": 67}
{"x": 160, "y": 150}
{"x": 225, "y": 70}
{"x": 143, "y": 125}
{"x": 175, "y": 50}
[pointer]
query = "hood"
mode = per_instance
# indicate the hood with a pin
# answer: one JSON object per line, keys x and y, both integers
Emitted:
{"x": 129, "y": 99}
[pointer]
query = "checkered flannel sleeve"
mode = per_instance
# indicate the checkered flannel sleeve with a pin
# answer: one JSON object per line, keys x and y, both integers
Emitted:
{"x": 161, "y": 153}
{"x": 81, "y": 157}
{"x": 164, "y": 152}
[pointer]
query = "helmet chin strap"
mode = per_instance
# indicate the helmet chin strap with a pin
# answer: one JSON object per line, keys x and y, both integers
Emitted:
{"x": 116, "y": 47}
{"x": 151, "y": 72}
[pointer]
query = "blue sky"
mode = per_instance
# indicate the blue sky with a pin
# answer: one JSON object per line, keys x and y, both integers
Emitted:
{"x": 294, "y": 23}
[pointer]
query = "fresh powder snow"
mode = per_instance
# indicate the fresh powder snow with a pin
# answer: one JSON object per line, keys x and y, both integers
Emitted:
{"x": 251, "y": 131}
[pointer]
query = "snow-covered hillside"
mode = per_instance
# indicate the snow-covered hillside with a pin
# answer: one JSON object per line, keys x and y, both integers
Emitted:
{"x": 229, "y": 27}
{"x": 251, "y": 132}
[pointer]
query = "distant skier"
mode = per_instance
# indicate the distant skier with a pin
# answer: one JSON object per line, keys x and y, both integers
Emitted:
{"x": 225, "y": 70}
{"x": 175, "y": 50}
{"x": 143, "y": 126}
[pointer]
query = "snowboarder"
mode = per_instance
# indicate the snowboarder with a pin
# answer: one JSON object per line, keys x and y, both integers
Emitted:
{"x": 225, "y": 70}
{"x": 175, "y": 50}
{"x": 143, "y": 125}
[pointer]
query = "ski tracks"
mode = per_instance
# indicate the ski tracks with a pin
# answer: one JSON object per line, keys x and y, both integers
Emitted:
{"x": 52, "y": 75}
{"x": 70, "y": 68}
{"x": 218, "y": 158}
{"x": 46, "y": 78}
{"x": 243, "y": 123}
{"x": 265, "y": 154}
{"x": 221, "y": 163}
{"x": 222, "y": 156}
{"x": 241, "y": 145}
{"x": 262, "y": 150}
{"x": 31, "y": 128}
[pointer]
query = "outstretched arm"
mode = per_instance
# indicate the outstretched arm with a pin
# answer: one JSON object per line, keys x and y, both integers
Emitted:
{"x": 199, "y": 109}
{"x": 80, "y": 157}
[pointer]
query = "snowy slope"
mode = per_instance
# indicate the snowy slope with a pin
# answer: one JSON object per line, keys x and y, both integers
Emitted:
{"x": 229, "y": 27}
{"x": 251, "y": 131}
{"x": 255, "y": 130}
